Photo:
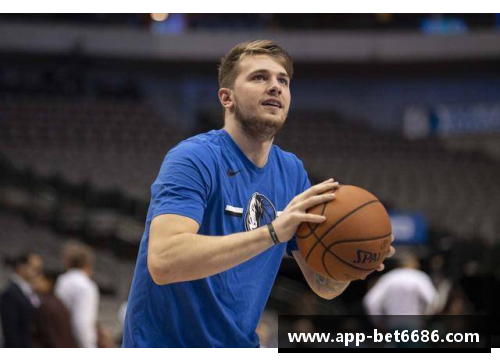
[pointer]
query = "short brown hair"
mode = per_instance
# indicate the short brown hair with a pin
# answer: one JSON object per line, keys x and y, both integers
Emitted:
{"x": 228, "y": 67}
{"x": 77, "y": 255}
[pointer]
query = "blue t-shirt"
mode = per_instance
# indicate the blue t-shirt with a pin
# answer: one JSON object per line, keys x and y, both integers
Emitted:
{"x": 210, "y": 180}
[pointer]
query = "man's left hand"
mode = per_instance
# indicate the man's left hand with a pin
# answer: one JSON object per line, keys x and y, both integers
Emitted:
{"x": 392, "y": 251}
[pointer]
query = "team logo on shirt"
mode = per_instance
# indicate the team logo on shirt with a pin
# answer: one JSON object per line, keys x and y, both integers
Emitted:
{"x": 260, "y": 212}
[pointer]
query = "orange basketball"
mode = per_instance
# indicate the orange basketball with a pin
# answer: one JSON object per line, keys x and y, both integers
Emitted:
{"x": 354, "y": 239}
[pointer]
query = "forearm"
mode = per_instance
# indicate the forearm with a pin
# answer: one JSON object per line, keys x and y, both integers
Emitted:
{"x": 323, "y": 287}
{"x": 328, "y": 288}
{"x": 190, "y": 256}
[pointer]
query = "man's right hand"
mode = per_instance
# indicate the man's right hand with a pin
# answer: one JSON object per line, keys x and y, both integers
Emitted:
{"x": 287, "y": 223}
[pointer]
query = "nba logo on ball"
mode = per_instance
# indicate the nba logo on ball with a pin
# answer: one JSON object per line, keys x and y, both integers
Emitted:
{"x": 260, "y": 211}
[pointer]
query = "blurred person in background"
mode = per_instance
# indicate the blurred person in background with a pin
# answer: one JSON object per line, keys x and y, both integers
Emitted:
{"x": 19, "y": 302}
{"x": 105, "y": 337}
{"x": 404, "y": 294}
{"x": 457, "y": 303}
{"x": 440, "y": 280}
{"x": 52, "y": 319}
{"x": 406, "y": 290}
{"x": 306, "y": 326}
{"x": 80, "y": 293}
{"x": 268, "y": 329}
{"x": 120, "y": 316}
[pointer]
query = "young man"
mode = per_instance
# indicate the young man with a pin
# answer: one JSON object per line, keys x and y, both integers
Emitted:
{"x": 79, "y": 293}
{"x": 223, "y": 208}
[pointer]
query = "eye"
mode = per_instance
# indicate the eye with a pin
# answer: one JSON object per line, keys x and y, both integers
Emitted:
{"x": 283, "y": 81}
{"x": 259, "y": 77}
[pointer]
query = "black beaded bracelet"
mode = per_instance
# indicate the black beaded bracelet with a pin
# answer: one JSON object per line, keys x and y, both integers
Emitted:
{"x": 273, "y": 233}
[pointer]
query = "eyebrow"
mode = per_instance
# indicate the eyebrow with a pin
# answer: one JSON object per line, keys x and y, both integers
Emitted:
{"x": 267, "y": 72}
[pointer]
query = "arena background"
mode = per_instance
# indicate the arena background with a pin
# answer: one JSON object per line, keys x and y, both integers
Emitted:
{"x": 404, "y": 105}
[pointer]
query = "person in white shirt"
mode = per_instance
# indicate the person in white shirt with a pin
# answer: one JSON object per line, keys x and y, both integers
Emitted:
{"x": 80, "y": 293}
{"x": 404, "y": 291}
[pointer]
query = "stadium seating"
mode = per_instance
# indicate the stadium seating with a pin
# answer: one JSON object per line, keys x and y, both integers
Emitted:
{"x": 116, "y": 146}
{"x": 455, "y": 190}
{"x": 110, "y": 145}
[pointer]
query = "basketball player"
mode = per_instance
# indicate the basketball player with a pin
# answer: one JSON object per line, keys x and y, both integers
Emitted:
{"x": 225, "y": 206}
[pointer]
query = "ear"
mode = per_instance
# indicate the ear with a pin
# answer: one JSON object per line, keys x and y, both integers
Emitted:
{"x": 226, "y": 98}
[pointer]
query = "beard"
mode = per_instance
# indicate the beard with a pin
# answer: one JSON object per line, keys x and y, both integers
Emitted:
{"x": 259, "y": 129}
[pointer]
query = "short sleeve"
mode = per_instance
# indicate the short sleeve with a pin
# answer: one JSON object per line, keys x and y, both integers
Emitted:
{"x": 184, "y": 183}
{"x": 304, "y": 184}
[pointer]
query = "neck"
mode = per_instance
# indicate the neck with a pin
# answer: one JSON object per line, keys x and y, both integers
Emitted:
{"x": 19, "y": 277}
{"x": 256, "y": 150}
{"x": 86, "y": 270}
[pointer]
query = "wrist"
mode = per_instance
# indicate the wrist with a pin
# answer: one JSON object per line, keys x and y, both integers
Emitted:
{"x": 272, "y": 233}
{"x": 265, "y": 236}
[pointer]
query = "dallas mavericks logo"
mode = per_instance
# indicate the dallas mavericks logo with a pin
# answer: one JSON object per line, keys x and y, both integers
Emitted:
{"x": 260, "y": 211}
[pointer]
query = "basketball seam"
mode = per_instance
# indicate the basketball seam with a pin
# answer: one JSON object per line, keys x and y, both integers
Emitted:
{"x": 316, "y": 225}
{"x": 319, "y": 239}
{"x": 357, "y": 240}
{"x": 324, "y": 265}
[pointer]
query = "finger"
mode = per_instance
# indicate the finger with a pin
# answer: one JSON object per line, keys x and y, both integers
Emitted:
{"x": 316, "y": 190}
{"x": 315, "y": 200}
{"x": 336, "y": 185}
{"x": 327, "y": 181}
{"x": 392, "y": 251}
{"x": 313, "y": 218}
{"x": 392, "y": 238}
{"x": 381, "y": 267}
{"x": 330, "y": 181}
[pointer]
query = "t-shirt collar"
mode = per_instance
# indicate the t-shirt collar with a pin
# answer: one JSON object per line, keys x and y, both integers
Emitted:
{"x": 249, "y": 164}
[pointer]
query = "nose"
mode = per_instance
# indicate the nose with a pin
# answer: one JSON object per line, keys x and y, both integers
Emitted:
{"x": 275, "y": 88}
